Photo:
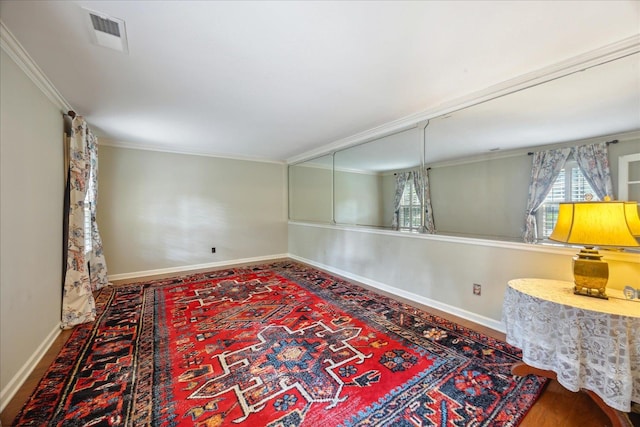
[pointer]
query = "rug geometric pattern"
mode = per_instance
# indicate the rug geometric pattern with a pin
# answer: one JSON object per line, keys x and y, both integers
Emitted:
{"x": 280, "y": 344}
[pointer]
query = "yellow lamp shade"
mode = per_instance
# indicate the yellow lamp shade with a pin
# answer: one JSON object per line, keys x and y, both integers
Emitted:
{"x": 633, "y": 220}
{"x": 597, "y": 224}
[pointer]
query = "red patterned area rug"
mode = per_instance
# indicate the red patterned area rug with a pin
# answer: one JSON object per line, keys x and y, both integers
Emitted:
{"x": 275, "y": 345}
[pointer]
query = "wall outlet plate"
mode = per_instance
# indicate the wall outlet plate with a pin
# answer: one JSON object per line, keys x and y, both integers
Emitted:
{"x": 477, "y": 289}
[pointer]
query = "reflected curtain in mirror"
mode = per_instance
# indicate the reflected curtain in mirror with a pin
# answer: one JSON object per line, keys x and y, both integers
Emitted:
{"x": 401, "y": 181}
{"x": 545, "y": 168}
{"x": 593, "y": 162}
{"x": 423, "y": 189}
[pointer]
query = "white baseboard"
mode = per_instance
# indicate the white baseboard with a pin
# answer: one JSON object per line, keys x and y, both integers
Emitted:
{"x": 468, "y": 315}
{"x": 20, "y": 377}
{"x": 181, "y": 269}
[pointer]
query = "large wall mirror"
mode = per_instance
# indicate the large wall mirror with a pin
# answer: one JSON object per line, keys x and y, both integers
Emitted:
{"x": 478, "y": 156}
{"x": 485, "y": 194}
{"x": 311, "y": 190}
{"x": 364, "y": 177}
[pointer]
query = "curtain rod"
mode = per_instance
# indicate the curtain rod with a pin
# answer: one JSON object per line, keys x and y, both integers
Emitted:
{"x": 429, "y": 168}
{"x": 615, "y": 141}
{"x": 68, "y": 123}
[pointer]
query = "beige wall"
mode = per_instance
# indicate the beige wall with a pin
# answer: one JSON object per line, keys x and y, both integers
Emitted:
{"x": 31, "y": 135}
{"x": 388, "y": 198}
{"x": 311, "y": 193}
{"x": 359, "y": 199}
{"x": 485, "y": 198}
{"x": 161, "y": 210}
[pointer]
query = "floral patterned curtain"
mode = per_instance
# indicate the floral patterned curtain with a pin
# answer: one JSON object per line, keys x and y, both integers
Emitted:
{"x": 95, "y": 254}
{"x": 418, "y": 179}
{"x": 429, "y": 224}
{"x": 423, "y": 189}
{"x": 593, "y": 161}
{"x": 546, "y": 167}
{"x": 85, "y": 264}
{"x": 401, "y": 181}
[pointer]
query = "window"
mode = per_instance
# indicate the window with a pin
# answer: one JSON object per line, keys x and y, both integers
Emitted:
{"x": 569, "y": 186}
{"x": 87, "y": 228}
{"x": 88, "y": 202}
{"x": 410, "y": 216}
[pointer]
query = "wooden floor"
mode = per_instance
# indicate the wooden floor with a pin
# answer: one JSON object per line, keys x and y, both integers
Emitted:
{"x": 556, "y": 407}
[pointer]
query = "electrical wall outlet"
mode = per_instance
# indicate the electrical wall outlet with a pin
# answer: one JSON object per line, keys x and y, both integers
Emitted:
{"x": 477, "y": 289}
{"x": 213, "y": 250}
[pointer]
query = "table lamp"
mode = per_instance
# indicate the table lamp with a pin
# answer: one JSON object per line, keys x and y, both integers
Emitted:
{"x": 607, "y": 223}
{"x": 633, "y": 220}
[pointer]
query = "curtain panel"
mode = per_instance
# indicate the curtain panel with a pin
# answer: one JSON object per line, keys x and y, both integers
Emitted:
{"x": 418, "y": 185}
{"x": 429, "y": 224}
{"x": 423, "y": 190}
{"x": 401, "y": 182}
{"x": 95, "y": 254}
{"x": 86, "y": 269}
{"x": 593, "y": 161}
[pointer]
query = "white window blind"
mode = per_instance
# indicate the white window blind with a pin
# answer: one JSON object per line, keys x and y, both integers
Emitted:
{"x": 569, "y": 186}
{"x": 410, "y": 209}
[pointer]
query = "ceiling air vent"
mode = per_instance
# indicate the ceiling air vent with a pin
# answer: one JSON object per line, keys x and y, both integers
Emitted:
{"x": 107, "y": 31}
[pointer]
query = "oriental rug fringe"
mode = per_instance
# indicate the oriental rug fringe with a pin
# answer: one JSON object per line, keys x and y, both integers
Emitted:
{"x": 280, "y": 344}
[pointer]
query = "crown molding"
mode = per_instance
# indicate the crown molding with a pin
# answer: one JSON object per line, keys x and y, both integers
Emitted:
{"x": 14, "y": 49}
{"x": 602, "y": 55}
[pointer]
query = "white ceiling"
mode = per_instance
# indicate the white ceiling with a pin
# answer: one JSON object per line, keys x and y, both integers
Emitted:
{"x": 273, "y": 80}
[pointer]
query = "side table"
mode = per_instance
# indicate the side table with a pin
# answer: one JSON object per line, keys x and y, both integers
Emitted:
{"x": 585, "y": 343}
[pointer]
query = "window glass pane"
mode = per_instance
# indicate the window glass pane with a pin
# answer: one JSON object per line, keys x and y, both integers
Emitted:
{"x": 580, "y": 187}
{"x": 414, "y": 196}
{"x": 406, "y": 195}
{"x": 557, "y": 193}
{"x": 410, "y": 209}
{"x": 406, "y": 217}
{"x": 549, "y": 218}
{"x": 569, "y": 186}
{"x": 415, "y": 215}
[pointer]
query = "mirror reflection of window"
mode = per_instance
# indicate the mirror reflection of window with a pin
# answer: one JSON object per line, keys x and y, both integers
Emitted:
{"x": 569, "y": 186}
{"x": 365, "y": 181}
{"x": 410, "y": 209}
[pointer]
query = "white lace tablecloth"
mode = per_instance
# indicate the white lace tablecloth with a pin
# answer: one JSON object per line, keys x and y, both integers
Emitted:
{"x": 589, "y": 343}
